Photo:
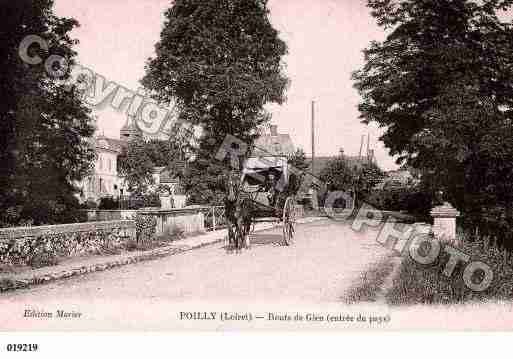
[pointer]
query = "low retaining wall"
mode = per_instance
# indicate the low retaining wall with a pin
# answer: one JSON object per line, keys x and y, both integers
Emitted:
{"x": 185, "y": 220}
{"x": 20, "y": 245}
{"x": 110, "y": 215}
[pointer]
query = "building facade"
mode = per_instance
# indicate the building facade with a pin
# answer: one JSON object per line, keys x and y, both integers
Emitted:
{"x": 105, "y": 180}
{"x": 274, "y": 144}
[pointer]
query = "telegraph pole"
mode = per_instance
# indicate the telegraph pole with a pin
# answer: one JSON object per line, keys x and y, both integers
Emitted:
{"x": 313, "y": 136}
{"x": 361, "y": 148}
{"x": 368, "y": 147}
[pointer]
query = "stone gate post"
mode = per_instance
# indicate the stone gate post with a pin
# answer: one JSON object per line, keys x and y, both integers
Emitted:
{"x": 444, "y": 221}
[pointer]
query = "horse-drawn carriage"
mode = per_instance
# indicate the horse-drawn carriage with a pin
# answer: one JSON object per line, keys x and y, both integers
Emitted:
{"x": 265, "y": 192}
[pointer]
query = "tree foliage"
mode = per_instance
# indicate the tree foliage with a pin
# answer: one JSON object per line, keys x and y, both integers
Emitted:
{"x": 44, "y": 125}
{"x": 220, "y": 62}
{"x": 338, "y": 175}
{"x": 137, "y": 161}
{"x": 135, "y": 164}
{"x": 368, "y": 177}
{"x": 441, "y": 85}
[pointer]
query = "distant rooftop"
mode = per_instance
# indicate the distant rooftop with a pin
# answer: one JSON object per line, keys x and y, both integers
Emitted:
{"x": 274, "y": 144}
{"x": 109, "y": 144}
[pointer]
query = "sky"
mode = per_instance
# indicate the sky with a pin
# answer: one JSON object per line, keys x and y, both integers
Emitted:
{"x": 325, "y": 40}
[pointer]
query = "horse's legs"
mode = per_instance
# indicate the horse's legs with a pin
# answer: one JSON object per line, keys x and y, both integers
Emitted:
{"x": 231, "y": 239}
{"x": 247, "y": 229}
{"x": 240, "y": 234}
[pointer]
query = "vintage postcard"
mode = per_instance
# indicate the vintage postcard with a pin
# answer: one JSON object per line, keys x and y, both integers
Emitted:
{"x": 255, "y": 165}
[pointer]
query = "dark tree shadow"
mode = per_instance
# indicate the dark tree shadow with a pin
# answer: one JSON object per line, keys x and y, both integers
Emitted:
{"x": 266, "y": 239}
{"x": 258, "y": 239}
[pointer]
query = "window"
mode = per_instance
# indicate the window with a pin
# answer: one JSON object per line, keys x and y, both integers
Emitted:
{"x": 100, "y": 159}
{"x": 110, "y": 165}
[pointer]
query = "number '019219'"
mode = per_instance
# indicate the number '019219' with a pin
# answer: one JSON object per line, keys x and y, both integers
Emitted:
{"x": 22, "y": 347}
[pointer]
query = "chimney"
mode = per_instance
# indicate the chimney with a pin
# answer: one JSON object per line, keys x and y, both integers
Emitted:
{"x": 274, "y": 130}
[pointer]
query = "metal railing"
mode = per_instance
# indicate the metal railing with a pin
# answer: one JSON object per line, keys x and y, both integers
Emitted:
{"x": 214, "y": 218}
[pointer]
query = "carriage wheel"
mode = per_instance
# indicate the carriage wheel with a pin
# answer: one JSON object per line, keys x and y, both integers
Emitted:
{"x": 289, "y": 220}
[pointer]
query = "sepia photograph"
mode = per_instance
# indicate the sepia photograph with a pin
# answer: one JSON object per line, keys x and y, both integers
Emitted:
{"x": 255, "y": 166}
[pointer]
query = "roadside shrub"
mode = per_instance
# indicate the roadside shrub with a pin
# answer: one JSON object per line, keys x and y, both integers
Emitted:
{"x": 41, "y": 210}
{"x": 90, "y": 204}
{"x": 494, "y": 222}
{"x": 145, "y": 227}
{"x": 141, "y": 201}
{"x": 43, "y": 259}
{"x": 420, "y": 284}
{"x": 151, "y": 200}
{"x": 410, "y": 199}
{"x": 108, "y": 203}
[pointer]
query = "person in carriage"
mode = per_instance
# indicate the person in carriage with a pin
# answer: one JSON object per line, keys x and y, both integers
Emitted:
{"x": 264, "y": 192}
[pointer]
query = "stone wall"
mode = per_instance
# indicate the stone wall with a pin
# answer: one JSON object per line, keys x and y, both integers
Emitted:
{"x": 110, "y": 215}
{"x": 20, "y": 245}
{"x": 185, "y": 220}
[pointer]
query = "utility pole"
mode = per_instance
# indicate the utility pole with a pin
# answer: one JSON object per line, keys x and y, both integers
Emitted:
{"x": 313, "y": 137}
{"x": 368, "y": 145}
{"x": 361, "y": 147}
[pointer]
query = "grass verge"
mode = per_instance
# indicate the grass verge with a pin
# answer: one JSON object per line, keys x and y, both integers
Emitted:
{"x": 368, "y": 286}
{"x": 427, "y": 284}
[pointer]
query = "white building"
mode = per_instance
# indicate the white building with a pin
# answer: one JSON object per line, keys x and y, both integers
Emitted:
{"x": 105, "y": 180}
{"x": 274, "y": 144}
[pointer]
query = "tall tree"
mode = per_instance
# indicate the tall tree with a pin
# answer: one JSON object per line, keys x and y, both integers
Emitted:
{"x": 441, "y": 85}
{"x": 221, "y": 62}
{"x": 135, "y": 164}
{"x": 44, "y": 126}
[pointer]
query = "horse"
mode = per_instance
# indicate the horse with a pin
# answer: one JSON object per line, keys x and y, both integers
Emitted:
{"x": 238, "y": 216}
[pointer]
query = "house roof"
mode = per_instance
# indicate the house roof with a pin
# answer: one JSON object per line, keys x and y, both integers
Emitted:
{"x": 109, "y": 144}
{"x": 281, "y": 144}
{"x": 130, "y": 127}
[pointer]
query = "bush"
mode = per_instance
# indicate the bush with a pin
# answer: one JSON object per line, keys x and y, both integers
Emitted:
{"x": 413, "y": 200}
{"x": 39, "y": 211}
{"x": 90, "y": 204}
{"x": 421, "y": 284}
{"x": 43, "y": 260}
{"x": 108, "y": 203}
{"x": 145, "y": 227}
{"x": 141, "y": 201}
